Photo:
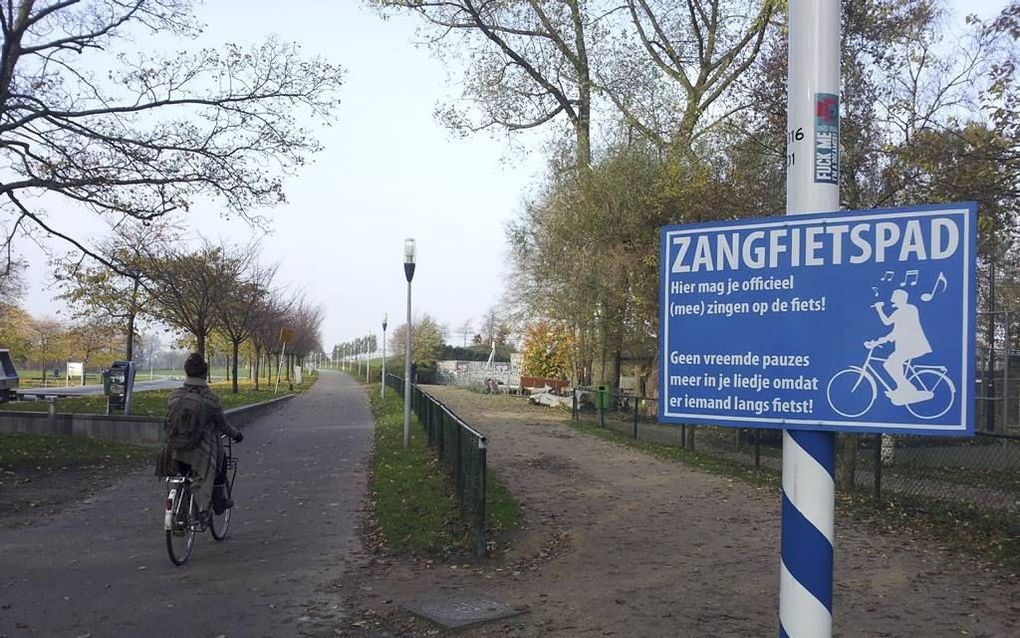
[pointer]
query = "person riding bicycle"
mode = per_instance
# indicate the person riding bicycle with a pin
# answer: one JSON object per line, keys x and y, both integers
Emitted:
{"x": 910, "y": 341}
{"x": 204, "y": 449}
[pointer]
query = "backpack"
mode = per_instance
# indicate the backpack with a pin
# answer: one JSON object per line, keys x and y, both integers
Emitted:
{"x": 165, "y": 463}
{"x": 187, "y": 421}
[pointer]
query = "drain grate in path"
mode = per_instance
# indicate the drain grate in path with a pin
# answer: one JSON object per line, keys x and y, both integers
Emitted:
{"x": 461, "y": 609}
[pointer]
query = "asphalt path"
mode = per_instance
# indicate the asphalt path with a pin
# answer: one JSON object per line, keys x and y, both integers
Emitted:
{"x": 100, "y": 568}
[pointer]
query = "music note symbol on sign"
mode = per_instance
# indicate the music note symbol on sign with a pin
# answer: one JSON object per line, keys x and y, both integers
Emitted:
{"x": 928, "y": 296}
{"x": 888, "y": 276}
{"x": 910, "y": 276}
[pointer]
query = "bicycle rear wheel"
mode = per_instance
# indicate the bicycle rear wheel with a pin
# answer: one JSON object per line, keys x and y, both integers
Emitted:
{"x": 181, "y": 538}
{"x": 219, "y": 523}
{"x": 943, "y": 394}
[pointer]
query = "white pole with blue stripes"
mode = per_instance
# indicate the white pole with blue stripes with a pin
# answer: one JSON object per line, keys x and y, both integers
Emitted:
{"x": 809, "y": 457}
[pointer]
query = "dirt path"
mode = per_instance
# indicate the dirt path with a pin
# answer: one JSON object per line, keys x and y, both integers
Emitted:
{"x": 618, "y": 543}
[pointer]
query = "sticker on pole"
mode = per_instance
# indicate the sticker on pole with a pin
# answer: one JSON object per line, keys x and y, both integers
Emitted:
{"x": 858, "y": 321}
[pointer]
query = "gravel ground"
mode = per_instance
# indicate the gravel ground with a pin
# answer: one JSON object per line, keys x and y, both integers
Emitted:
{"x": 615, "y": 542}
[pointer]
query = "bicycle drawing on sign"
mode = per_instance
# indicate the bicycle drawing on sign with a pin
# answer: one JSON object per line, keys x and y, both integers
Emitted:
{"x": 925, "y": 390}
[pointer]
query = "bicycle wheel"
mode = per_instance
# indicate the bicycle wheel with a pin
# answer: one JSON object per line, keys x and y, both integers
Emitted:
{"x": 181, "y": 538}
{"x": 851, "y": 392}
{"x": 943, "y": 394}
{"x": 219, "y": 523}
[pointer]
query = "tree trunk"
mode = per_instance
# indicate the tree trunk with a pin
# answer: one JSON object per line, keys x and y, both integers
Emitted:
{"x": 129, "y": 354}
{"x": 256, "y": 362}
{"x": 237, "y": 347}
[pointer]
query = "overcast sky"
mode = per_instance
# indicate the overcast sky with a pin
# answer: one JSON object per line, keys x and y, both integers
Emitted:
{"x": 388, "y": 171}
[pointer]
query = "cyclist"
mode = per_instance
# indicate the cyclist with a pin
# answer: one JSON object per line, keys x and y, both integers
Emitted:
{"x": 206, "y": 457}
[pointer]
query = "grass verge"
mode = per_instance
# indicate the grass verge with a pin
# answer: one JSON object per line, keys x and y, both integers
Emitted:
{"x": 991, "y": 537}
{"x": 415, "y": 509}
{"x": 45, "y": 452}
{"x": 154, "y": 402}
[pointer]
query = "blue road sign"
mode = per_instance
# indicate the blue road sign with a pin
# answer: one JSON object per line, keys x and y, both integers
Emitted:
{"x": 857, "y": 321}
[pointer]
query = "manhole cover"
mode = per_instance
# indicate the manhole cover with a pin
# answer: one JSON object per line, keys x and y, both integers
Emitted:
{"x": 461, "y": 609}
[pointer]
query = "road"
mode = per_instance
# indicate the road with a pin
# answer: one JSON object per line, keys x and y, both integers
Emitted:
{"x": 84, "y": 390}
{"x": 100, "y": 568}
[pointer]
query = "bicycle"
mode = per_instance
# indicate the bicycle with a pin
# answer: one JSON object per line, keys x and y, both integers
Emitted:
{"x": 850, "y": 397}
{"x": 182, "y": 522}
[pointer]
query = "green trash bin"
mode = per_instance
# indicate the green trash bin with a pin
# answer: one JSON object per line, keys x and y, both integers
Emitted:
{"x": 602, "y": 397}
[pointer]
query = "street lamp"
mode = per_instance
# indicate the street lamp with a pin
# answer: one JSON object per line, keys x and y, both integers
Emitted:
{"x": 409, "y": 251}
{"x": 382, "y": 386}
{"x": 368, "y": 357}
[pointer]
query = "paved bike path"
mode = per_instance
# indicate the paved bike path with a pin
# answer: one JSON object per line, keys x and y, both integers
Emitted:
{"x": 100, "y": 568}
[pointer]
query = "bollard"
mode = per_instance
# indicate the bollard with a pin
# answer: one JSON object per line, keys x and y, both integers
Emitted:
{"x": 757, "y": 449}
{"x": 51, "y": 409}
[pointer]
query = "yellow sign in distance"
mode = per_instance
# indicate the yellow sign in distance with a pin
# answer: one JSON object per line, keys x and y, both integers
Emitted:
{"x": 286, "y": 335}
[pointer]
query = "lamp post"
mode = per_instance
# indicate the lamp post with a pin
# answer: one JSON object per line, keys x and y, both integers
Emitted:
{"x": 409, "y": 250}
{"x": 368, "y": 358}
{"x": 382, "y": 386}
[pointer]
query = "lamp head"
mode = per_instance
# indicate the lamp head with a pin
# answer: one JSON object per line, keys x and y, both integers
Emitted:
{"x": 384, "y": 318}
{"x": 409, "y": 258}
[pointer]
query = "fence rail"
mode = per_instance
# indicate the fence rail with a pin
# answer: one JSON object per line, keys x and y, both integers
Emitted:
{"x": 980, "y": 473}
{"x": 460, "y": 447}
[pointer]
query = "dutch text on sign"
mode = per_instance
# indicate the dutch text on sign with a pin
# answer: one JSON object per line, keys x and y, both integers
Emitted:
{"x": 857, "y": 321}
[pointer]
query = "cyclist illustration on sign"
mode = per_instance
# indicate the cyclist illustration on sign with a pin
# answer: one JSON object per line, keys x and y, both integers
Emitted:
{"x": 910, "y": 341}
{"x": 925, "y": 390}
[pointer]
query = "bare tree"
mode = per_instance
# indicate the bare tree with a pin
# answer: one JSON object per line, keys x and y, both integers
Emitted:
{"x": 12, "y": 283}
{"x": 698, "y": 50}
{"x": 239, "y": 314}
{"x": 268, "y": 317}
{"x": 188, "y": 287}
{"x": 95, "y": 290}
{"x": 528, "y": 62}
{"x": 149, "y": 133}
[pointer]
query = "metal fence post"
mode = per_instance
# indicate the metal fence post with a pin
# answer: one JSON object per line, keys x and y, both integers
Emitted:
{"x": 1008, "y": 317}
{"x": 757, "y": 449}
{"x": 573, "y": 404}
{"x": 635, "y": 416}
{"x": 683, "y": 436}
{"x": 877, "y": 493}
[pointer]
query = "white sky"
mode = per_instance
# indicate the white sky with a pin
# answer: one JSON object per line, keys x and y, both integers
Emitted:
{"x": 388, "y": 171}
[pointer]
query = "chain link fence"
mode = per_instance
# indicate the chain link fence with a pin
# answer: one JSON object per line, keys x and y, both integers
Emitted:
{"x": 979, "y": 474}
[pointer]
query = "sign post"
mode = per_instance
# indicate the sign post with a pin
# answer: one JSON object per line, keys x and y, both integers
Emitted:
{"x": 819, "y": 322}
{"x": 76, "y": 371}
{"x": 286, "y": 336}
{"x": 812, "y": 185}
{"x": 859, "y": 321}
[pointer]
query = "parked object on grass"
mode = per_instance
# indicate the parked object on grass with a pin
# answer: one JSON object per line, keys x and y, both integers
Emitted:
{"x": 8, "y": 377}
{"x": 551, "y": 400}
{"x": 118, "y": 386}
